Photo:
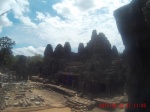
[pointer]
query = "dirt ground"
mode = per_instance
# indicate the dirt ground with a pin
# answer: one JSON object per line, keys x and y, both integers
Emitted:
{"x": 53, "y": 102}
{"x": 66, "y": 109}
{"x": 52, "y": 98}
{"x": 57, "y": 100}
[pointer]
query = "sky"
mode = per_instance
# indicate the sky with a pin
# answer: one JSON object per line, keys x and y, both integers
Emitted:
{"x": 33, "y": 24}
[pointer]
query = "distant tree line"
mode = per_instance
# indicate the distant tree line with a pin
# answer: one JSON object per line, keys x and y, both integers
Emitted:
{"x": 27, "y": 66}
{"x": 23, "y": 66}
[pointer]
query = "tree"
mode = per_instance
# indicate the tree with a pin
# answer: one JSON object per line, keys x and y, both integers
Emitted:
{"x": 21, "y": 67}
{"x": 6, "y": 45}
{"x": 27, "y": 66}
{"x": 35, "y": 65}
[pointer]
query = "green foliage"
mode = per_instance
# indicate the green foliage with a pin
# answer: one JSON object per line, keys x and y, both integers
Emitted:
{"x": 6, "y": 42}
{"x": 6, "y": 45}
{"x": 34, "y": 59}
{"x": 35, "y": 65}
{"x": 27, "y": 66}
{"x": 21, "y": 67}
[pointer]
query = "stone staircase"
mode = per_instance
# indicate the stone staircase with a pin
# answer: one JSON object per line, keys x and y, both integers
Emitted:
{"x": 78, "y": 104}
{"x": 108, "y": 103}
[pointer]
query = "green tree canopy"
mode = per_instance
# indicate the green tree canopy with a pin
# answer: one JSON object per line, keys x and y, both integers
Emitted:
{"x": 6, "y": 45}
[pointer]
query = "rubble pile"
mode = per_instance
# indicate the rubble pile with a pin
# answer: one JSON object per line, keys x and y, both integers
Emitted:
{"x": 78, "y": 104}
{"x": 1, "y": 99}
{"x": 19, "y": 95}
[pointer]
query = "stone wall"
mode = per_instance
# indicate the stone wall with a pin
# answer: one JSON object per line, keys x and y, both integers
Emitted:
{"x": 135, "y": 35}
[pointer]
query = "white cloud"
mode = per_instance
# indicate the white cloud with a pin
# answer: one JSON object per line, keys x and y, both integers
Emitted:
{"x": 67, "y": 9}
{"x": 4, "y": 7}
{"x": 54, "y": 30}
{"x": 44, "y": 1}
{"x": 4, "y": 22}
{"x": 19, "y": 8}
{"x": 27, "y": 21}
{"x": 29, "y": 51}
{"x": 40, "y": 16}
{"x": 78, "y": 24}
{"x": 84, "y": 4}
{"x": 81, "y": 17}
{"x": 80, "y": 21}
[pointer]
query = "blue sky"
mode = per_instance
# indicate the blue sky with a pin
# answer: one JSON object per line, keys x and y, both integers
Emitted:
{"x": 35, "y": 23}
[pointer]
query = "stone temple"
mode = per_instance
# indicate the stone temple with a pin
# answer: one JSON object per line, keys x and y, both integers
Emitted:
{"x": 133, "y": 21}
{"x": 98, "y": 69}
